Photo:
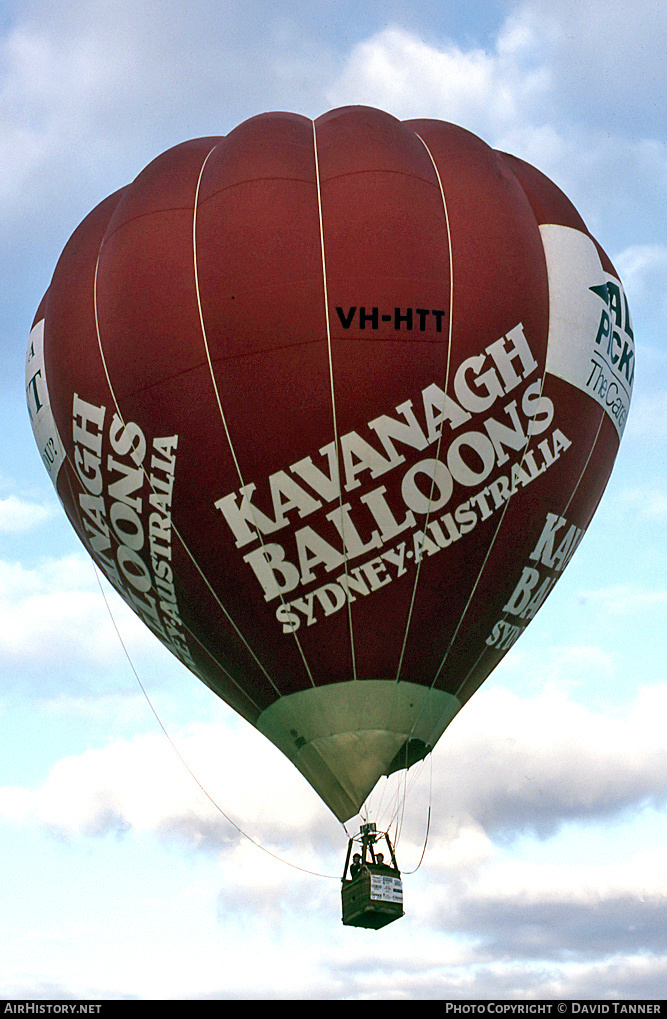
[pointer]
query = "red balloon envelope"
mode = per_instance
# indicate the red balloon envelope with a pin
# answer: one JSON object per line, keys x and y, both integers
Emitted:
{"x": 331, "y": 404}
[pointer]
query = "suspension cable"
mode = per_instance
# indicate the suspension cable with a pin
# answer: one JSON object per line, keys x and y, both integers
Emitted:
{"x": 185, "y": 764}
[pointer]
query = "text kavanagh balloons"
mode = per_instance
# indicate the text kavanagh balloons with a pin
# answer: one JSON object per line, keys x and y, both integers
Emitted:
{"x": 331, "y": 405}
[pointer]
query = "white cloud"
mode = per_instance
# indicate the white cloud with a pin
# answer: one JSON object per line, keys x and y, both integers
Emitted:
{"x": 623, "y": 599}
{"x": 142, "y": 784}
{"x": 647, "y": 417}
{"x": 544, "y": 63}
{"x": 89, "y": 93}
{"x": 54, "y": 91}
{"x": 53, "y": 618}
{"x": 480, "y": 921}
{"x": 608, "y": 61}
{"x": 532, "y": 765}
{"x": 507, "y": 765}
{"x": 410, "y": 78}
{"x": 644, "y": 268}
{"x": 513, "y": 765}
{"x": 523, "y": 909}
{"x": 19, "y": 515}
{"x": 523, "y": 94}
{"x": 648, "y": 503}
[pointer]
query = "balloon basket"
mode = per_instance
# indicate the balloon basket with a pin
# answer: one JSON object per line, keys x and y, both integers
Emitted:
{"x": 372, "y": 894}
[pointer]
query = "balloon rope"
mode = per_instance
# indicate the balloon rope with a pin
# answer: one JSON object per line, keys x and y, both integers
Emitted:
{"x": 450, "y": 330}
{"x": 171, "y": 742}
{"x": 174, "y": 527}
{"x": 437, "y": 453}
{"x": 394, "y": 813}
{"x": 400, "y": 807}
{"x": 201, "y": 318}
{"x": 187, "y": 767}
{"x": 195, "y": 638}
{"x": 333, "y": 394}
{"x": 421, "y": 858}
{"x": 399, "y": 827}
{"x": 223, "y": 417}
{"x": 486, "y": 650}
{"x": 478, "y": 577}
{"x": 146, "y": 476}
{"x": 483, "y": 565}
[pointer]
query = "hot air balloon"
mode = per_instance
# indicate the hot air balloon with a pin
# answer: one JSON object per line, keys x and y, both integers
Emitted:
{"x": 331, "y": 404}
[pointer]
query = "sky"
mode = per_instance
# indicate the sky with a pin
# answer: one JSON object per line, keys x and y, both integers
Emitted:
{"x": 181, "y": 856}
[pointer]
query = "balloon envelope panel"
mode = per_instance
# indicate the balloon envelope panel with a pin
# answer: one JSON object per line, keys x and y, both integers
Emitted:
{"x": 332, "y": 404}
